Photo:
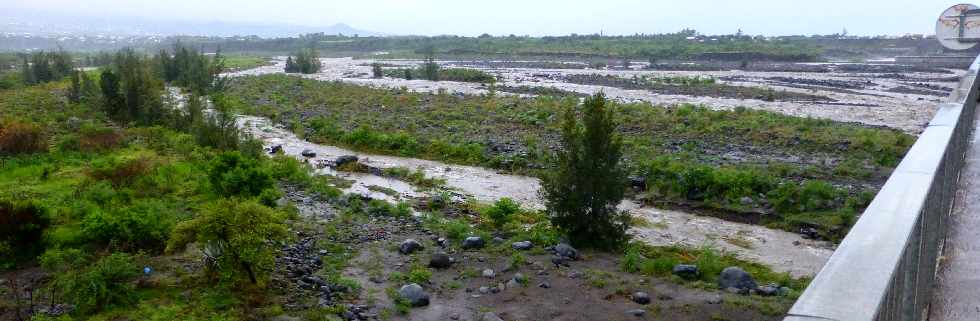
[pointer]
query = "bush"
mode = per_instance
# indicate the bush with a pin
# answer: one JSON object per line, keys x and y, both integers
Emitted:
{"x": 121, "y": 170}
{"x": 501, "y": 212}
{"x": 94, "y": 138}
{"x": 21, "y": 227}
{"x": 146, "y": 224}
{"x": 241, "y": 237}
{"x": 22, "y": 138}
{"x": 231, "y": 174}
{"x": 101, "y": 285}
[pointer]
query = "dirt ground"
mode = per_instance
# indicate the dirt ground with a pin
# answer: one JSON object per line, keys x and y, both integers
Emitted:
{"x": 592, "y": 288}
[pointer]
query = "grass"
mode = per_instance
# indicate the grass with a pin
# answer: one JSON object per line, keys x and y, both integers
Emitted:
{"x": 243, "y": 62}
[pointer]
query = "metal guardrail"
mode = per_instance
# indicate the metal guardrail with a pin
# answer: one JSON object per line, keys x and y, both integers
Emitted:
{"x": 885, "y": 268}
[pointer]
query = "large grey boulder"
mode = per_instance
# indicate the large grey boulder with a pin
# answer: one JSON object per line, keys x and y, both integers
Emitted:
{"x": 641, "y": 298}
{"x": 415, "y": 295}
{"x": 340, "y": 161}
{"x": 735, "y": 277}
{"x": 522, "y": 246}
{"x": 308, "y": 153}
{"x": 440, "y": 261}
{"x": 473, "y": 242}
{"x": 686, "y": 271}
{"x": 409, "y": 246}
{"x": 565, "y": 250}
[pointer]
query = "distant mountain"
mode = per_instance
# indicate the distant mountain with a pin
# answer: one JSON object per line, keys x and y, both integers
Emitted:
{"x": 58, "y": 24}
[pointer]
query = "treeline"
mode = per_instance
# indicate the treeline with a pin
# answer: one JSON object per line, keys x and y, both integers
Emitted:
{"x": 45, "y": 67}
{"x": 307, "y": 61}
{"x": 679, "y": 45}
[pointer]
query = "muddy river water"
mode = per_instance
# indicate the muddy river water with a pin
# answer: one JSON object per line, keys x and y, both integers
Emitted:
{"x": 781, "y": 250}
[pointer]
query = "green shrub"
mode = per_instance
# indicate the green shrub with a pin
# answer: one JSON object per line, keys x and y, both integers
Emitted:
{"x": 419, "y": 274}
{"x": 21, "y": 227}
{"x": 146, "y": 224}
{"x": 93, "y": 287}
{"x": 501, "y": 212}
{"x": 241, "y": 236}
{"x": 232, "y": 174}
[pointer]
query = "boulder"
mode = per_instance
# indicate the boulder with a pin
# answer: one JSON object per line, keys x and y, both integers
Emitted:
{"x": 768, "y": 290}
{"x": 686, "y": 271}
{"x": 641, "y": 298}
{"x": 308, "y": 153}
{"x": 565, "y": 250}
{"x": 488, "y": 273}
{"x": 440, "y": 261}
{"x": 415, "y": 295}
{"x": 736, "y": 278}
{"x": 638, "y": 183}
{"x": 637, "y": 312}
{"x": 340, "y": 161}
{"x": 473, "y": 242}
{"x": 522, "y": 246}
{"x": 409, "y": 246}
{"x": 275, "y": 149}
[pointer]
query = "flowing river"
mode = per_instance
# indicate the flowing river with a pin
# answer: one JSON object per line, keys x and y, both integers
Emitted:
{"x": 783, "y": 251}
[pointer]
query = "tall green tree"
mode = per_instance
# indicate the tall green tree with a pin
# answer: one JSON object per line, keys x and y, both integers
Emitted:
{"x": 587, "y": 180}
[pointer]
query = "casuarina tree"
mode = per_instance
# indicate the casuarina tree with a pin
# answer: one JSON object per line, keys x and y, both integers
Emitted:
{"x": 586, "y": 182}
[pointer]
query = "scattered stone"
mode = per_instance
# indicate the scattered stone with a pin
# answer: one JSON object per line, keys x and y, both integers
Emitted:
{"x": 442, "y": 242}
{"x": 735, "y": 277}
{"x": 521, "y": 246}
{"x": 490, "y": 316}
{"x": 686, "y": 271}
{"x": 637, "y": 312}
{"x": 641, "y": 298}
{"x": 768, "y": 290}
{"x": 497, "y": 240}
{"x": 409, "y": 246}
{"x": 473, "y": 242}
{"x": 488, "y": 273}
{"x": 559, "y": 261}
{"x": 520, "y": 277}
{"x": 544, "y": 285}
{"x": 275, "y": 149}
{"x": 308, "y": 153}
{"x": 565, "y": 250}
{"x": 415, "y": 295}
{"x": 664, "y": 297}
{"x": 513, "y": 284}
{"x": 746, "y": 201}
{"x": 484, "y": 290}
{"x": 440, "y": 261}
{"x": 714, "y": 299}
{"x": 343, "y": 160}
{"x": 638, "y": 183}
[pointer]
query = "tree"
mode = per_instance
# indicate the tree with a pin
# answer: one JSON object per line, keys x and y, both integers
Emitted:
{"x": 376, "y": 70}
{"x": 430, "y": 69}
{"x": 240, "y": 237}
{"x": 75, "y": 90}
{"x": 586, "y": 182}
{"x": 290, "y": 65}
{"x": 112, "y": 101}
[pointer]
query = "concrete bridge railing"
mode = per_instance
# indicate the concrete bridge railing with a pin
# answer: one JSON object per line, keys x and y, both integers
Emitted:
{"x": 885, "y": 268}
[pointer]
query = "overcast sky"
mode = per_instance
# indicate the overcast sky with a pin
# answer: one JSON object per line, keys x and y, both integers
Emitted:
{"x": 538, "y": 17}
